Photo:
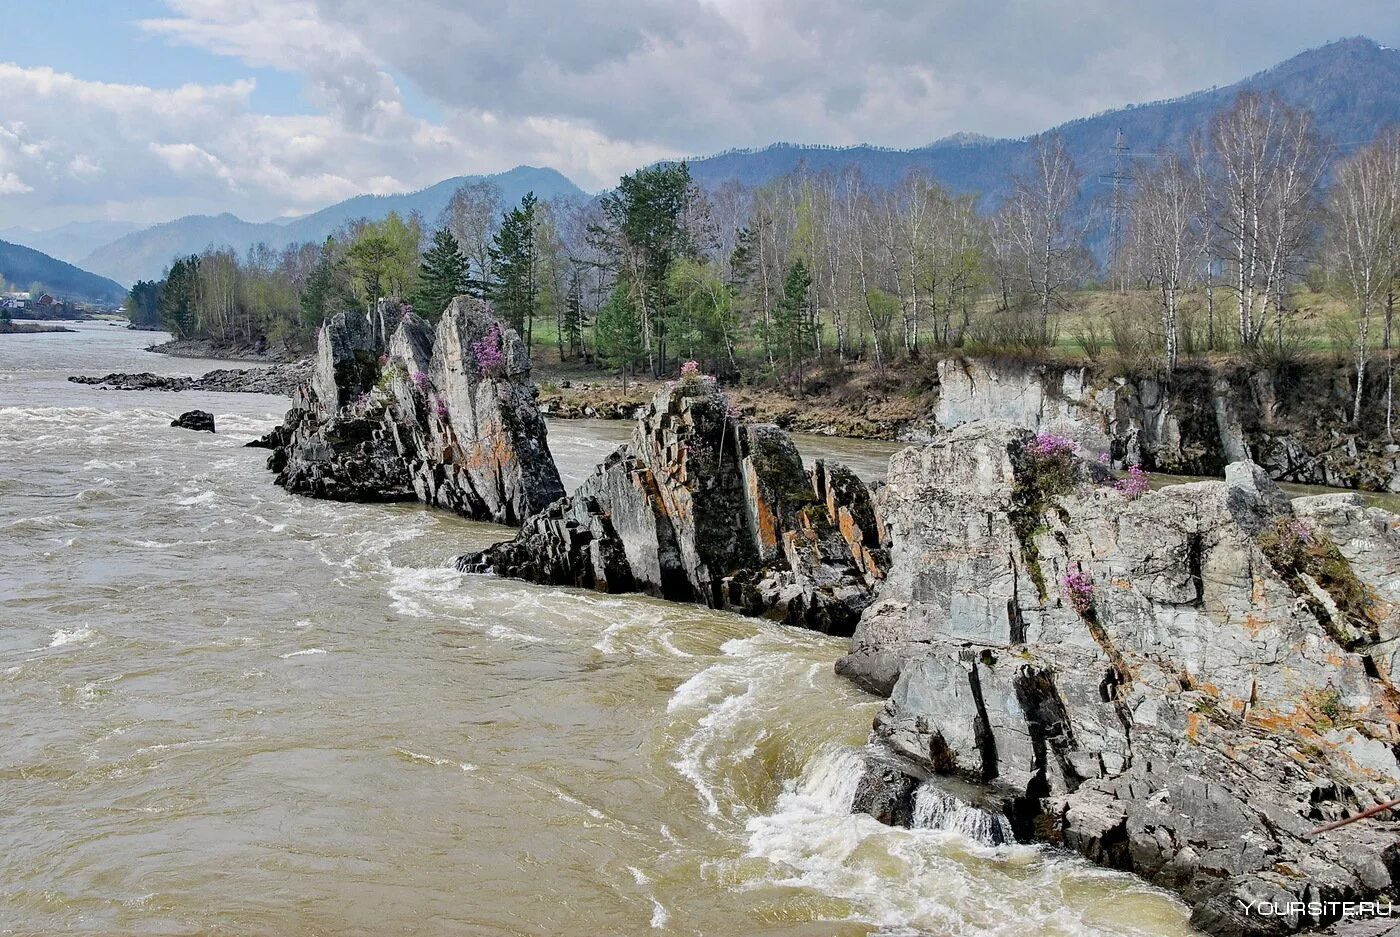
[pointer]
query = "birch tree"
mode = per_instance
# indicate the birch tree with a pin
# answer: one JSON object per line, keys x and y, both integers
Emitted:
{"x": 1164, "y": 217}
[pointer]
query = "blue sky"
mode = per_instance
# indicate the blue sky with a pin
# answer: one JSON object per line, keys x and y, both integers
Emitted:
{"x": 145, "y": 110}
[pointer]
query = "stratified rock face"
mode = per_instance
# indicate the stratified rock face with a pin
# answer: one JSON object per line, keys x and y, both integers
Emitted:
{"x": 701, "y": 508}
{"x": 1295, "y": 425}
{"x": 1180, "y": 684}
{"x": 397, "y": 411}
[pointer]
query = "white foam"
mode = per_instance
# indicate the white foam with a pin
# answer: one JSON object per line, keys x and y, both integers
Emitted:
{"x": 202, "y": 498}
{"x": 62, "y": 638}
{"x": 435, "y": 761}
{"x": 304, "y": 652}
{"x": 936, "y": 809}
{"x": 659, "y": 916}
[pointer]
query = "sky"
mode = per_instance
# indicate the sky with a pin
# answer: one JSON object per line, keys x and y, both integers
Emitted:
{"x": 146, "y": 110}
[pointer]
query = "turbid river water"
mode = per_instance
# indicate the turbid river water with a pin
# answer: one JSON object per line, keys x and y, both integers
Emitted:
{"x": 225, "y": 710}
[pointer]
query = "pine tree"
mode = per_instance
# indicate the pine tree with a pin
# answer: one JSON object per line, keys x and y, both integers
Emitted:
{"x": 442, "y": 276}
{"x": 179, "y": 298}
{"x": 618, "y": 332}
{"x": 575, "y": 316}
{"x": 791, "y": 326}
{"x": 514, "y": 259}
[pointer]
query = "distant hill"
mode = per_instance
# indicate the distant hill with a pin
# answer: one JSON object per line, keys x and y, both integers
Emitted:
{"x": 1353, "y": 86}
{"x": 73, "y": 241}
{"x": 144, "y": 254}
{"x": 21, "y": 266}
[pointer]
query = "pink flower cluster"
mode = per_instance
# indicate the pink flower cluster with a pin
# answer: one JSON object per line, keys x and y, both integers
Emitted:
{"x": 1079, "y": 590}
{"x": 1299, "y": 529}
{"x": 439, "y": 407}
{"x": 690, "y": 370}
{"x": 420, "y": 380}
{"x": 487, "y": 351}
{"x": 1050, "y": 446}
{"x": 1135, "y": 485}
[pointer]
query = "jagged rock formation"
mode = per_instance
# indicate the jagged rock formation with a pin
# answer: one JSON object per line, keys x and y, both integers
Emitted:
{"x": 1180, "y": 684}
{"x": 201, "y": 421}
{"x": 703, "y": 508}
{"x": 397, "y": 410}
{"x": 1293, "y": 422}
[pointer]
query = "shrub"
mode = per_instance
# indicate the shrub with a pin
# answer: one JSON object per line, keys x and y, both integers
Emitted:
{"x": 1135, "y": 485}
{"x": 1078, "y": 589}
{"x": 420, "y": 381}
{"x": 487, "y": 353}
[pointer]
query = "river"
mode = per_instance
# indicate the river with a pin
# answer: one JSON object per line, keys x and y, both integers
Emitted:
{"x": 226, "y": 710}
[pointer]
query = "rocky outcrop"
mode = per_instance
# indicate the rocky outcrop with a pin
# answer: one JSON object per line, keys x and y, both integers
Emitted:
{"x": 279, "y": 380}
{"x": 1293, "y": 422}
{"x": 199, "y": 420}
{"x": 1181, "y": 684}
{"x": 701, "y": 507}
{"x": 396, "y": 409}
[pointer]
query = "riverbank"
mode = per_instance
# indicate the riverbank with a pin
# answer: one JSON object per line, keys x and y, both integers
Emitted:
{"x": 29, "y": 328}
{"x": 278, "y": 379}
{"x": 226, "y": 350}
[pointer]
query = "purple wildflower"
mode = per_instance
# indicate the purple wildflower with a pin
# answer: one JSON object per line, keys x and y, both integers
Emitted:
{"x": 487, "y": 351}
{"x": 439, "y": 407}
{"x": 420, "y": 380}
{"x": 1135, "y": 485}
{"x": 1050, "y": 446}
{"x": 1078, "y": 588}
{"x": 690, "y": 370}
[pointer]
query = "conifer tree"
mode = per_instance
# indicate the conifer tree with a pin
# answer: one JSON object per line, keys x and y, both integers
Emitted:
{"x": 441, "y": 277}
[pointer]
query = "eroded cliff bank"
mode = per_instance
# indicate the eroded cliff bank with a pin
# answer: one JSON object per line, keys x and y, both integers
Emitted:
{"x": 396, "y": 409}
{"x": 1180, "y": 683}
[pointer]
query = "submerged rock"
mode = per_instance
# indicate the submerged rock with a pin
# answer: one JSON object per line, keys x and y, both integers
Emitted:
{"x": 1180, "y": 684}
{"x": 398, "y": 410}
{"x": 198, "y": 420}
{"x": 700, "y": 507}
{"x": 279, "y": 379}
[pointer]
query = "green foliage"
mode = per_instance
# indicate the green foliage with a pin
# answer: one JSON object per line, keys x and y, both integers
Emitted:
{"x": 789, "y": 329}
{"x": 618, "y": 334}
{"x": 383, "y": 258}
{"x": 574, "y": 322}
{"x": 701, "y": 317}
{"x": 179, "y": 297}
{"x": 514, "y": 259}
{"x": 142, "y": 304}
{"x": 442, "y": 276}
{"x": 1295, "y": 550}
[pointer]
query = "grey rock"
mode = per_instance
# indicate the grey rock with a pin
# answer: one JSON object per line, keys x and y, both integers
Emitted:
{"x": 396, "y": 410}
{"x": 198, "y": 420}
{"x": 1190, "y": 718}
{"x": 700, "y": 507}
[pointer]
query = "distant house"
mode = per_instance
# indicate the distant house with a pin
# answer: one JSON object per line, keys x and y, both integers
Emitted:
{"x": 16, "y": 297}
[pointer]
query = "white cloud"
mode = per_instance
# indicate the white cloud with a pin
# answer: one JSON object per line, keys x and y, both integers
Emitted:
{"x": 595, "y": 88}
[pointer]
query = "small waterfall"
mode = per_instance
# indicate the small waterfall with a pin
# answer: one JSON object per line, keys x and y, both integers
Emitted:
{"x": 831, "y": 779}
{"x": 936, "y": 809}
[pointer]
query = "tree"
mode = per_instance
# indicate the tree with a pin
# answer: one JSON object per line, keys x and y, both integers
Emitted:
{"x": 383, "y": 258}
{"x": 472, "y": 215}
{"x": 644, "y": 230}
{"x": 142, "y": 304}
{"x": 575, "y": 317}
{"x": 179, "y": 297}
{"x": 1364, "y": 211}
{"x": 618, "y": 334}
{"x": 1266, "y": 162}
{"x": 441, "y": 276}
{"x": 514, "y": 260}
{"x": 1164, "y": 217}
{"x": 1039, "y": 210}
{"x": 327, "y": 288}
{"x": 791, "y": 322}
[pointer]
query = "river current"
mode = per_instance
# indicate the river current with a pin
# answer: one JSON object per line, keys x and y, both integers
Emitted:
{"x": 227, "y": 710}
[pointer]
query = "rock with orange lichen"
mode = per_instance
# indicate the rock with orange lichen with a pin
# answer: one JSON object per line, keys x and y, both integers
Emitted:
{"x": 700, "y": 507}
{"x": 1179, "y": 684}
{"x": 399, "y": 410}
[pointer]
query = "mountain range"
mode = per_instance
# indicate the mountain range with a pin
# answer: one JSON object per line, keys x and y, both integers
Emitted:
{"x": 22, "y": 266}
{"x": 1352, "y": 86}
{"x": 145, "y": 253}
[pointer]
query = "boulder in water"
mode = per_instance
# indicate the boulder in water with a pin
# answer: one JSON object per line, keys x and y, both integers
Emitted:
{"x": 701, "y": 507}
{"x": 199, "y": 420}
{"x": 1180, "y": 683}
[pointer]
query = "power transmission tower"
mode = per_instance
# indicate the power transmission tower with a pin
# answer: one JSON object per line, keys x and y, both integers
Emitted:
{"x": 1118, "y": 178}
